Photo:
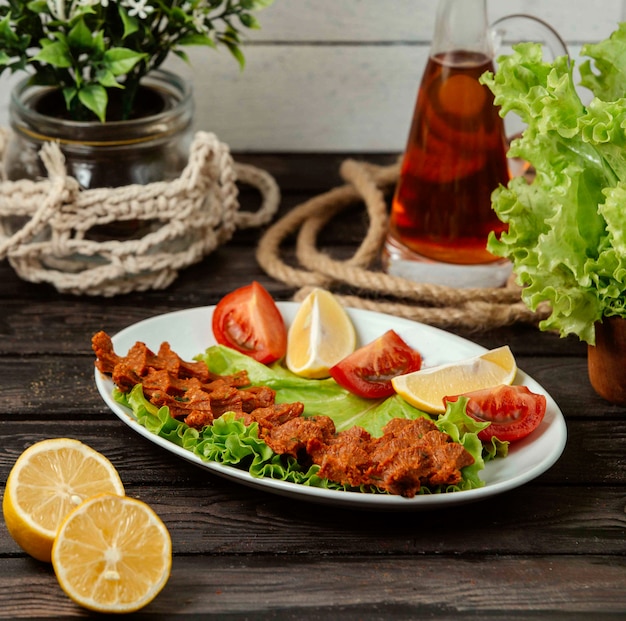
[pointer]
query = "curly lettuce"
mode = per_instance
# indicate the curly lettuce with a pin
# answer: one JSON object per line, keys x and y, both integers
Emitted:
{"x": 228, "y": 441}
{"x": 320, "y": 397}
{"x": 566, "y": 229}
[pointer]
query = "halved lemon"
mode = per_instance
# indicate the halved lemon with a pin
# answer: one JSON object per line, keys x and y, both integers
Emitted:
{"x": 320, "y": 336}
{"x": 113, "y": 554}
{"x": 46, "y": 482}
{"x": 426, "y": 388}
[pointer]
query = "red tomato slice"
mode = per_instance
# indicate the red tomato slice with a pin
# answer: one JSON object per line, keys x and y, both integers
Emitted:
{"x": 513, "y": 411}
{"x": 249, "y": 321}
{"x": 367, "y": 372}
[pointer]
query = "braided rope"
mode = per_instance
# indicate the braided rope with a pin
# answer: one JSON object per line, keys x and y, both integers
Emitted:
{"x": 185, "y": 219}
{"x": 447, "y": 307}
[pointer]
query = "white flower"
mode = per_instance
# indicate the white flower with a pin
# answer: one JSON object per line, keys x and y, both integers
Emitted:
{"x": 139, "y": 8}
{"x": 57, "y": 9}
{"x": 198, "y": 17}
{"x": 87, "y": 3}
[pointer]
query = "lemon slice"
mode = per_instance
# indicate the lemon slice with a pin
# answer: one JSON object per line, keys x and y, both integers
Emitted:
{"x": 320, "y": 336}
{"x": 426, "y": 388}
{"x": 46, "y": 482}
{"x": 113, "y": 554}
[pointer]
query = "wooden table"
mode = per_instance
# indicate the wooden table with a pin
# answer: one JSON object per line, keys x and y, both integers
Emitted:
{"x": 554, "y": 548}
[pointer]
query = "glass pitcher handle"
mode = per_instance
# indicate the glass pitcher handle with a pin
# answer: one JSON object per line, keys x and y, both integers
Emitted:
{"x": 508, "y": 31}
{"x": 518, "y": 27}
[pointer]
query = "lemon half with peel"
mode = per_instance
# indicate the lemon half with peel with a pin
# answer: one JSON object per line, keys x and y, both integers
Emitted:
{"x": 426, "y": 388}
{"x": 113, "y": 554}
{"x": 46, "y": 482}
{"x": 320, "y": 336}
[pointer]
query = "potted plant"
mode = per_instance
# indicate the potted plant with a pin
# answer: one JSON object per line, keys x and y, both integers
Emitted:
{"x": 91, "y": 49}
{"x": 567, "y": 229}
{"x": 133, "y": 198}
{"x": 94, "y": 81}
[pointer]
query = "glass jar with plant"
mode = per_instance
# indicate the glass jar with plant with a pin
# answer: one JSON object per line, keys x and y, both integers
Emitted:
{"x": 94, "y": 82}
{"x": 94, "y": 85}
{"x": 96, "y": 52}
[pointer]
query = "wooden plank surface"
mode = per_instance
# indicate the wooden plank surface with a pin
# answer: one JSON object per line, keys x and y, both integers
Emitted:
{"x": 395, "y": 587}
{"x": 554, "y": 548}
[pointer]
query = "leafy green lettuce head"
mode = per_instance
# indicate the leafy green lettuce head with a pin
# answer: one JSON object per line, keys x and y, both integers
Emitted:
{"x": 566, "y": 229}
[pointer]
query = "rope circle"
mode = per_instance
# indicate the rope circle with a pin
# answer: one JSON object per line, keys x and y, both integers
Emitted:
{"x": 446, "y": 307}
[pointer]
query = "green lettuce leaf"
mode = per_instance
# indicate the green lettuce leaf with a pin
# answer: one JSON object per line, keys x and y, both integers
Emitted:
{"x": 228, "y": 441}
{"x": 320, "y": 397}
{"x": 565, "y": 229}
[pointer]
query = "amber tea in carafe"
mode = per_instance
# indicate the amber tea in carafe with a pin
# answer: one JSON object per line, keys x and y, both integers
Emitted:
{"x": 455, "y": 158}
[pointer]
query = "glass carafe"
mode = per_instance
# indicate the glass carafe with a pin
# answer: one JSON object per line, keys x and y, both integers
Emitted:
{"x": 455, "y": 157}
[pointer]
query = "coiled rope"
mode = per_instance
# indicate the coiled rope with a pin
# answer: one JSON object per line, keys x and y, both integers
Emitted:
{"x": 471, "y": 309}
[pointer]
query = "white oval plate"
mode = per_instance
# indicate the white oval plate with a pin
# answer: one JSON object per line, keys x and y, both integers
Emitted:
{"x": 189, "y": 333}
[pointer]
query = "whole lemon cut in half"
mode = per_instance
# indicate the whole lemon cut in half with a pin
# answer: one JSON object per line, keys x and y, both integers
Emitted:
{"x": 46, "y": 482}
{"x": 320, "y": 336}
{"x": 426, "y": 388}
{"x": 113, "y": 554}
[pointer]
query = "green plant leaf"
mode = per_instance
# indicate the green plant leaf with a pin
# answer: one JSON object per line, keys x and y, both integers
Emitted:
{"x": 131, "y": 24}
{"x": 37, "y": 6}
{"x": 69, "y": 93}
{"x": 608, "y": 56}
{"x": 257, "y": 5}
{"x": 99, "y": 44}
{"x": 196, "y": 39}
{"x": 249, "y": 21}
{"x": 94, "y": 97}
{"x": 80, "y": 37}
{"x": 120, "y": 60}
{"x": 55, "y": 53}
{"x": 107, "y": 79}
{"x": 60, "y": 36}
{"x": 182, "y": 55}
{"x": 178, "y": 15}
{"x": 235, "y": 50}
{"x": 6, "y": 31}
{"x": 230, "y": 35}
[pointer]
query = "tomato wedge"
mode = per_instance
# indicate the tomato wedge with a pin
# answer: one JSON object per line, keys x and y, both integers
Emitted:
{"x": 367, "y": 372}
{"x": 249, "y": 321}
{"x": 513, "y": 411}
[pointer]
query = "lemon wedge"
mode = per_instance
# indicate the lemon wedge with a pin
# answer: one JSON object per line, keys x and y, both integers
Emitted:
{"x": 426, "y": 388}
{"x": 320, "y": 336}
{"x": 46, "y": 482}
{"x": 113, "y": 554}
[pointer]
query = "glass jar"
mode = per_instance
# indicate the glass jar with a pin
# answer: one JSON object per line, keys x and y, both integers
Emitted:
{"x": 151, "y": 146}
{"x": 147, "y": 148}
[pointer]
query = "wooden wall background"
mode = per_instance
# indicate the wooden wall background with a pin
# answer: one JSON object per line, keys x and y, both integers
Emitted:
{"x": 341, "y": 75}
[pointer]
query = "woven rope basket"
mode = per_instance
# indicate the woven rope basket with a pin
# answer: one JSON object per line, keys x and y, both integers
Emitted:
{"x": 186, "y": 218}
